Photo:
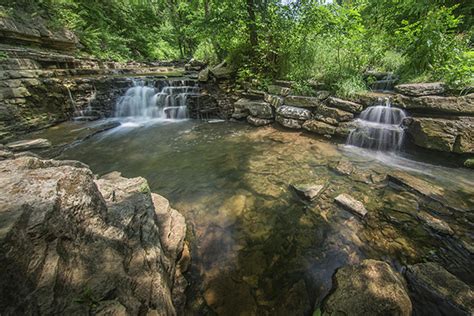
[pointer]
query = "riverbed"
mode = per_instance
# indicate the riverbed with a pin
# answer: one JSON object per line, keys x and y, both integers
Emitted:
{"x": 259, "y": 248}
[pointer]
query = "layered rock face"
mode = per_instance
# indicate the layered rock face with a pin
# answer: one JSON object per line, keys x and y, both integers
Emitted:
{"x": 72, "y": 244}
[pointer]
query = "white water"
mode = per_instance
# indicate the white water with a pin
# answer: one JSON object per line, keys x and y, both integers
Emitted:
{"x": 378, "y": 127}
{"x": 145, "y": 102}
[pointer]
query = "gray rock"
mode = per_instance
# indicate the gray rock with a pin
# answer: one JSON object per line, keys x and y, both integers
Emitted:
{"x": 203, "y": 75}
{"x": 351, "y": 204}
{"x": 294, "y": 112}
{"x": 333, "y": 113}
{"x": 304, "y": 102}
{"x": 290, "y": 123}
{"x": 454, "y": 135}
{"x": 221, "y": 71}
{"x": 344, "y": 105}
{"x": 435, "y": 104}
{"x": 29, "y": 144}
{"x": 369, "y": 288}
{"x": 319, "y": 127}
{"x": 421, "y": 89}
{"x": 273, "y": 100}
{"x": 438, "y": 292}
{"x": 70, "y": 244}
{"x": 255, "y": 108}
{"x": 435, "y": 224}
{"x": 255, "y": 121}
{"x": 278, "y": 90}
{"x": 308, "y": 191}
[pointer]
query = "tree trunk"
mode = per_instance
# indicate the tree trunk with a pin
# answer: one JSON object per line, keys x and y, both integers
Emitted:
{"x": 252, "y": 23}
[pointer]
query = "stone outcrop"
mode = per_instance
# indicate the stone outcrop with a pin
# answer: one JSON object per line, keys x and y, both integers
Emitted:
{"x": 449, "y": 135}
{"x": 70, "y": 244}
{"x": 438, "y": 292}
{"x": 421, "y": 89}
{"x": 370, "y": 288}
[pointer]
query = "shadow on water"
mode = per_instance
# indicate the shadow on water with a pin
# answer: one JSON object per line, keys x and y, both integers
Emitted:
{"x": 256, "y": 247}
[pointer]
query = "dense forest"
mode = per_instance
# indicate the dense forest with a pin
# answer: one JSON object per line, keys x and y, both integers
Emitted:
{"x": 335, "y": 43}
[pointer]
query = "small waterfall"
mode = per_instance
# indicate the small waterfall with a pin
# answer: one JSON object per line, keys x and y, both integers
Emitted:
{"x": 378, "y": 127}
{"x": 144, "y": 101}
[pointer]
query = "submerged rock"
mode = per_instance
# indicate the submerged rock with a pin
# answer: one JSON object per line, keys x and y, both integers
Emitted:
{"x": 308, "y": 191}
{"x": 29, "y": 144}
{"x": 438, "y": 292}
{"x": 351, "y": 204}
{"x": 421, "y": 89}
{"x": 370, "y": 288}
{"x": 435, "y": 224}
{"x": 70, "y": 244}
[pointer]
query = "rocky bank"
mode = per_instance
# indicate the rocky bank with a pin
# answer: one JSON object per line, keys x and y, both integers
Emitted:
{"x": 72, "y": 243}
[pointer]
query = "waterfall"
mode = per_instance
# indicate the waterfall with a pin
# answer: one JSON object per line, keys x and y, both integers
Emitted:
{"x": 144, "y": 101}
{"x": 378, "y": 127}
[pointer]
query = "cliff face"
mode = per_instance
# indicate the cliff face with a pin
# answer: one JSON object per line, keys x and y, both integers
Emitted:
{"x": 73, "y": 244}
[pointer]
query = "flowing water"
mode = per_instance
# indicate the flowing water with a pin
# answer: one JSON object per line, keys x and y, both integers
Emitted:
{"x": 379, "y": 128}
{"x": 145, "y": 101}
{"x": 257, "y": 249}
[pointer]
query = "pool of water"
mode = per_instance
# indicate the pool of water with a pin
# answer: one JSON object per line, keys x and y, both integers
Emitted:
{"x": 256, "y": 247}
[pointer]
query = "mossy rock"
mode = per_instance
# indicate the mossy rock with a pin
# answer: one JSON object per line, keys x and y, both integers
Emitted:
{"x": 469, "y": 163}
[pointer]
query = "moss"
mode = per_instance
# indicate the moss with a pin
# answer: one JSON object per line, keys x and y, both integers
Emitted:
{"x": 144, "y": 188}
{"x": 469, "y": 163}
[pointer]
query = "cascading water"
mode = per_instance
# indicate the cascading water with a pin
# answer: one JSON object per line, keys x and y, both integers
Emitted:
{"x": 378, "y": 127}
{"x": 147, "y": 102}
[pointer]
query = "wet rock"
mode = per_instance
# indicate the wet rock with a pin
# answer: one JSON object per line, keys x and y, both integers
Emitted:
{"x": 319, "y": 127}
{"x": 416, "y": 184}
{"x": 434, "y": 104}
{"x": 29, "y": 144}
{"x": 345, "y": 128}
{"x": 308, "y": 191}
{"x": 344, "y": 105}
{"x": 336, "y": 114}
{"x": 438, "y": 292}
{"x": 294, "y": 112}
{"x": 454, "y": 135}
{"x": 255, "y": 121}
{"x": 295, "y": 301}
{"x": 305, "y": 102}
{"x": 288, "y": 122}
{"x": 369, "y": 288}
{"x": 351, "y": 204}
{"x": 469, "y": 163}
{"x": 435, "y": 224}
{"x": 421, "y": 89}
{"x": 70, "y": 244}
{"x": 343, "y": 167}
{"x": 278, "y": 90}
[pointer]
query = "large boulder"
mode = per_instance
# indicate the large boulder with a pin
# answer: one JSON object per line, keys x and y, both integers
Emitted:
{"x": 73, "y": 245}
{"x": 450, "y": 135}
{"x": 319, "y": 127}
{"x": 335, "y": 115}
{"x": 370, "y": 288}
{"x": 344, "y": 105}
{"x": 255, "y": 108}
{"x": 288, "y": 122}
{"x": 438, "y": 292}
{"x": 294, "y": 112}
{"x": 436, "y": 104}
{"x": 421, "y": 89}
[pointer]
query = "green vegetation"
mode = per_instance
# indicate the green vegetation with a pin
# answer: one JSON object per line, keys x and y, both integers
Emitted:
{"x": 333, "y": 43}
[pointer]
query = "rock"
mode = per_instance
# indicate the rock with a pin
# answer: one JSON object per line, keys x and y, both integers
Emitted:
{"x": 469, "y": 163}
{"x": 455, "y": 135}
{"x": 435, "y": 104}
{"x": 295, "y": 301}
{"x": 259, "y": 109}
{"x": 273, "y": 100}
{"x": 203, "y": 75}
{"x": 333, "y": 113}
{"x": 290, "y": 123}
{"x": 307, "y": 191}
{"x": 294, "y": 112}
{"x": 221, "y": 71}
{"x": 435, "y": 224}
{"x": 255, "y": 121}
{"x": 5, "y": 154}
{"x": 278, "y": 90}
{"x": 70, "y": 244}
{"x": 344, "y": 105}
{"x": 416, "y": 184}
{"x": 319, "y": 127}
{"x": 343, "y": 167}
{"x": 304, "y": 102}
{"x": 351, "y": 204}
{"x": 438, "y": 292}
{"x": 345, "y": 128}
{"x": 369, "y": 288}
{"x": 421, "y": 89}
{"x": 29, "y": 144}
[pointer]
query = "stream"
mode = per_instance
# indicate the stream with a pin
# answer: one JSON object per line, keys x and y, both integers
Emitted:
{"x": 256, "y": 247}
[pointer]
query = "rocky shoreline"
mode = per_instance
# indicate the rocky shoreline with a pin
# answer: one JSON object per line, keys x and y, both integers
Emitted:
{"x": 106, "y": 246}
